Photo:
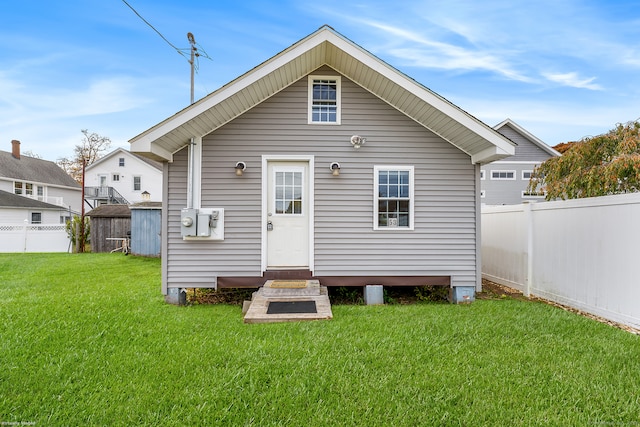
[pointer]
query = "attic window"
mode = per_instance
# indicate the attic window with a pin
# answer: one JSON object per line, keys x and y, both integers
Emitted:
{"x": 324, "y": 99}
{"x": 121, "y": 162}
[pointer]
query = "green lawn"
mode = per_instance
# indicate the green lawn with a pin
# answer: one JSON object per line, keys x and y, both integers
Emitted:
{"x": 87, "y": 339}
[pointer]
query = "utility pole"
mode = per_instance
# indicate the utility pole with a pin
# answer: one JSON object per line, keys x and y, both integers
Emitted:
{"x": 194, "y": 54}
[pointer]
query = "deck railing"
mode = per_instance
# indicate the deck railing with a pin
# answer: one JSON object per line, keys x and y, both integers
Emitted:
{"x": 108, "y": 194}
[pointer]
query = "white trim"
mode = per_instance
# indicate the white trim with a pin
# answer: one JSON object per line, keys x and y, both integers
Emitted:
{"x": 376, "y": 170}
{"x": 516, "y": 162}
{"x": 149, "y": 141}
{"x": 483, "y": 174}
{"x": 502, "y": 179}
{"x": 266, "y": 158}
{"x": 338, "y": 81}
{"x": 531, "y": 137}
{"x": 483, "y": 194}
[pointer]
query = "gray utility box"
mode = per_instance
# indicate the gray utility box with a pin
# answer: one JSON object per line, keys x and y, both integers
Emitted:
{"x": 202, "y": 223}
{"x": 188, "y": 222}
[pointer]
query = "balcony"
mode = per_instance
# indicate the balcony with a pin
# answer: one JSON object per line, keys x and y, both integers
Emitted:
{"x": 102, "y": 195}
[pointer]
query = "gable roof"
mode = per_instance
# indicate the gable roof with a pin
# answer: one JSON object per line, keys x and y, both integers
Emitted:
{"x": 531, "y": 137}
{"x": 121, "y": 151}
{"x": 10, "y": 200}
{"x": 324, "y": 47}
{"x": 34, "y": 170}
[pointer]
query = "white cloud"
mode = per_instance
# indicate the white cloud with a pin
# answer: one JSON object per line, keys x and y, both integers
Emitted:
{"x": 435, "y": 54}
{"x": 573, "y": 80}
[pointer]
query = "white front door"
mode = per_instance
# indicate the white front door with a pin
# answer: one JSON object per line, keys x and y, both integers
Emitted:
{"x": 288, "y": 214}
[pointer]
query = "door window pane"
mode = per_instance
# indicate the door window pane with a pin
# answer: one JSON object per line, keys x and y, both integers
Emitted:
{"x": 288, "y": 192}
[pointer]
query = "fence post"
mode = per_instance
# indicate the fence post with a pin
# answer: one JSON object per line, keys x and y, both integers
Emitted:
{"x": 528, "y": 247}
{"x": 24, "y": 228}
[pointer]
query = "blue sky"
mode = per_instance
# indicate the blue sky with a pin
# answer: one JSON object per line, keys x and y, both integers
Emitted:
{"x": 561, "y": 69}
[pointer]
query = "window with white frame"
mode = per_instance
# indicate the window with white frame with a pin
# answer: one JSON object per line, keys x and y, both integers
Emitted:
{"x": 36, "y": 217}
{"x": 503, "y": 175}
{"x": 121, "y": 162}
{"x": 137, "y": 183}
{"x": 115, "y": 177}
{"x": 17, "y": 187}
{"x": 482, "y": 174}
{"x": 324, "y": 99}
{"x": 393, "y": 197}
{"x": 534, "y": 195}
{"x": 526, "y": 175}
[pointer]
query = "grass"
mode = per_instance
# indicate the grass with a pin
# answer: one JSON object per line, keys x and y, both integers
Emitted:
{"x": 88, "y": 340}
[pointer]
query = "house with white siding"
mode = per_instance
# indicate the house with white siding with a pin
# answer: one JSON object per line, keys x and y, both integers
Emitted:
{"x": 121, "y": 177}
{"x": 506, "y": 182}
{"x": 322, "y": 162}
{"x": 38, "y": 179}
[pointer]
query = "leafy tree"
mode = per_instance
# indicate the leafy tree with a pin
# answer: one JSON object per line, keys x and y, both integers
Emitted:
{"x": 596, "y": 166}
{"x": 78, "y": 234}
{"x": 90, "y": 149}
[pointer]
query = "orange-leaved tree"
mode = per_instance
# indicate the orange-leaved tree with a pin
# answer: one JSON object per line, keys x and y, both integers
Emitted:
{"x": 596, "y": 166}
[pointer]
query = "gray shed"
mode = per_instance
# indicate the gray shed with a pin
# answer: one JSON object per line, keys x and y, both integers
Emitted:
{"x": 146, "y": 226}
{"x": 109, "y": 222}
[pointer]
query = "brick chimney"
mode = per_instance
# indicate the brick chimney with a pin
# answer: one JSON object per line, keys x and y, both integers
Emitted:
{"x": 15, "y": 148}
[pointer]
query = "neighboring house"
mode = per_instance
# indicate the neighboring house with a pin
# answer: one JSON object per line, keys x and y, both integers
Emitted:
{"x": 15, "y": 209}
{"x": 122, "y": 177}
{"x": 38, "y": 179}
{"x": 505, "y": 182}
{"x": 321, "y": 162}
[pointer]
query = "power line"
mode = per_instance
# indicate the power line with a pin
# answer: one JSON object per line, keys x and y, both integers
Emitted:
{"x": 158, "y": 32}
{"x": 193, "y": 60}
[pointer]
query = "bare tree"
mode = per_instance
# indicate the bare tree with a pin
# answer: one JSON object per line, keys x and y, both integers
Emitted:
{"x": 90, "y": 149}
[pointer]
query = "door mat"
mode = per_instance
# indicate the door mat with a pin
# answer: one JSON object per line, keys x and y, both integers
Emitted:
{"x": 284, "y": 307}
{"x": 289, "y": 284}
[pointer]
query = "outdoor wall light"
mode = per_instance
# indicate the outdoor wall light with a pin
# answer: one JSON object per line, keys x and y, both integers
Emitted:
{"x": 240, "y": 168}
{"x": 335, "y": 168}
{"x": 357, "y": 141}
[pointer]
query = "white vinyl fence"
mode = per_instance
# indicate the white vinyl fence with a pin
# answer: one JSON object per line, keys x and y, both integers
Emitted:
{"x": 33, "y": 238}
{"x": 582, "y": 253}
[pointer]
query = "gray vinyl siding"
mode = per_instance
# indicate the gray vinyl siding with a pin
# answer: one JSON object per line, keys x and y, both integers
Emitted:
{"x": 525, "y": 150}
{"x": 509, "y": 192}
{"x": 442, "y": 243}
{"x": 506, "y": 192}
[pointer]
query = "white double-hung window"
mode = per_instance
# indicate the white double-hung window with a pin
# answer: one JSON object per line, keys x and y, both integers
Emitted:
{"x": 393, "y": 198}
{"x": 324, "y": 99}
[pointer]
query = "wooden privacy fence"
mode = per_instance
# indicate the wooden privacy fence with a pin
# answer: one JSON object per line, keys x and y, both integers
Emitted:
{"x": 34, "y": 238}
{"x": 583, "y": 253}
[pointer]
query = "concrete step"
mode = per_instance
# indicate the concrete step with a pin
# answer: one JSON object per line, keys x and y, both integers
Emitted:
{"x": 289, "y": 293}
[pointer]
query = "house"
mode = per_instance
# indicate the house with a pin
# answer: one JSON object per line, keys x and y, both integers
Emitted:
{"x": 17, "y": 209}
{"x": 121, "y": 177}
{"x": 322, "y": 162}
{"x": 29, "y": 225}
{"x": 505, "y": 182}
{"x": 38, "y": 179}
